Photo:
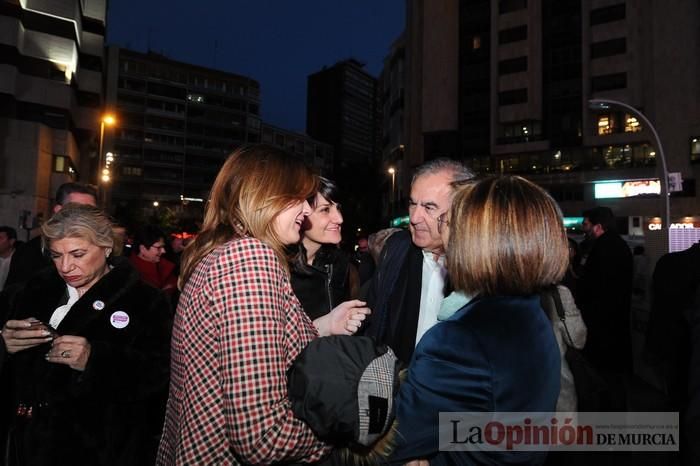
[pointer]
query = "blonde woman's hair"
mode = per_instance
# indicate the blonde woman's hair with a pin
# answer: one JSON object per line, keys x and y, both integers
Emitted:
{"x": 79, "y": 221}
{"x": 255, "y": 184}
{"x": 506, "y": 238}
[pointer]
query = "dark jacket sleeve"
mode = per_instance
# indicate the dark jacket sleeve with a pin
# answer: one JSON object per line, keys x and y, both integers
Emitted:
{"x": 382, "y": 283}
{"x": 459, "y": 380}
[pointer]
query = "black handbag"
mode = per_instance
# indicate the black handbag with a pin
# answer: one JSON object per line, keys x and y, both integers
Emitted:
{"x": 592, "y": 390}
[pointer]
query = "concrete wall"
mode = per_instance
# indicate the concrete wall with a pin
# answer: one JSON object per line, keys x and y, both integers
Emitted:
{"x": 25, "y": 169}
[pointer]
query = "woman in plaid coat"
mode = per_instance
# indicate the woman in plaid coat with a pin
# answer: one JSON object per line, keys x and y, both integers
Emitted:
{"x": 239, "y": 326}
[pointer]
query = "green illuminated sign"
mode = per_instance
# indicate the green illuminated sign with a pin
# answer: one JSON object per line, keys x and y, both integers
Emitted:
{"x": 399, "y": 222}
{"x": 572, "y": 222}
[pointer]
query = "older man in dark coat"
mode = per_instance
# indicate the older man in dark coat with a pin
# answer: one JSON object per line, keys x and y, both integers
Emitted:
{"x": 408, "y": 286}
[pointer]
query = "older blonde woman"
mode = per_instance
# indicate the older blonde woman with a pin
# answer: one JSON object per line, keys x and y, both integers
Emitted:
{"x": 86, "y": 353}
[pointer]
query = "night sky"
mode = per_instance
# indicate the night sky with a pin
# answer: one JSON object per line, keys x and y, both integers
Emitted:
{"x": 277, "y": 42}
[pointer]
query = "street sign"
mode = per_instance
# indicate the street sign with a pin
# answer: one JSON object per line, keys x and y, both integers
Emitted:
{"x": 675, "y": 182}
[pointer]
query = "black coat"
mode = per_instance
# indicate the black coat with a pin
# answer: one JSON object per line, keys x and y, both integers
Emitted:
{"x": 27, "y": 260}
{"x": 112, "y": 412}
{"x": 691, "y": 424}
{"x": 604, "y": 295}
{"x": 675, "y": 281}
{"x": 394, "y": 296}
{"x": 325, "y": 284}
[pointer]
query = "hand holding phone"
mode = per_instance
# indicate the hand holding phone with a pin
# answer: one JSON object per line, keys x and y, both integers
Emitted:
{"x": 23, "y": 334}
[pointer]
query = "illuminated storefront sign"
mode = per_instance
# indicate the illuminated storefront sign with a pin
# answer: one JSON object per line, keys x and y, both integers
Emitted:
{"x": 617, "y": 189}
{"x": 684, "y": 223}
{"x": 674, "y": 226}
{"x": 572, "y": 222}
{"x": 400, "y": 222}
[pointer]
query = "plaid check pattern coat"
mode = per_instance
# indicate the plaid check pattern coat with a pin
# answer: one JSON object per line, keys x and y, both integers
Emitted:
{"x": 237, "y": 330}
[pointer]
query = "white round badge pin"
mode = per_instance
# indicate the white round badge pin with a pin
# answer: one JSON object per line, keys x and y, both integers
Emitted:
{"x": 119, "y": 319}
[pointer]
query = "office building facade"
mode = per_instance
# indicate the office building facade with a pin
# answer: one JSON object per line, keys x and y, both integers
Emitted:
{"x": 520, "y": 87}
{"x": 51, "y": 81}
{"x": 343, "y": 110}
{"x": 392, "y": 82}
{"x": 176, "y": 124}
{"x": 317, "y": 155}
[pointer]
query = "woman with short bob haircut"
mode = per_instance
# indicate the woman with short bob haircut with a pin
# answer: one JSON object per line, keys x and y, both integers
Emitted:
{"x": 506, "y": 237}
{"x": 238, "y": 324}
{"x": 495, "y": 352}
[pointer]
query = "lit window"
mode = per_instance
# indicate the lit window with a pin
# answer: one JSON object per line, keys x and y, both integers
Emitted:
{"x": 63, "y": 164}
{"x": 631, "y": 124}
{"x": 476, "y": 42}
{"x": 132, "y": 171}
{"x": 195, "y": 98}
{"x": 606, "y": 124}
{"x": 59, "y": 164}
{"x": 695, "y": 149}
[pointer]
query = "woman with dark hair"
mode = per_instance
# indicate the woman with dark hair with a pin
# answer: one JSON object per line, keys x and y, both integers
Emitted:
{"x": 147, "y": 258}
{"x": 89, "y": 345}
{"x": 496, "y": 352}
{"x": 322, "y": 274}
{"x": 239, "y": 326}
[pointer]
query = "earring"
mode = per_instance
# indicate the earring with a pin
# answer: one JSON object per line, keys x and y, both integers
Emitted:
{"x": 108, "y": 252}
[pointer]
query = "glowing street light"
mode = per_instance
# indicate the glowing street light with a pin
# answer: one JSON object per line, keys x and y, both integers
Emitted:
{"x": 106, "y": 120}
{"x": 392, "y": 172}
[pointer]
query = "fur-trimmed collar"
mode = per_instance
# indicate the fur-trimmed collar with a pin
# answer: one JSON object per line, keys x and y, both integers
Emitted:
{"x": 47, "y": 288}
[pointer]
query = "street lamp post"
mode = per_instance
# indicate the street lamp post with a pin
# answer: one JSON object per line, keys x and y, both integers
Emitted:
{"x": 392, "y": 172}
{"x": 604, "y": 104}
{"x": 107, "y": 120}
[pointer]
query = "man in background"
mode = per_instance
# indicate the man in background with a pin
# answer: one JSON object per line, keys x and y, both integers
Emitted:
{"x": 603, "y": 294}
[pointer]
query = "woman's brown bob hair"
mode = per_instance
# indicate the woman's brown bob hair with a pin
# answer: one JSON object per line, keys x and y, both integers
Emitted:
{"x": 506, "y": 238}
{"x": 255, "y": 184}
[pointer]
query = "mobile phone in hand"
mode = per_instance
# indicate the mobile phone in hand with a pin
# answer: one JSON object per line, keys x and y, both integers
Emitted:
{"x": 37, "y": 324}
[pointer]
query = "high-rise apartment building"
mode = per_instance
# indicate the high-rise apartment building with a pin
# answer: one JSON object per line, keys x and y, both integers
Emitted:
{"x": 343, "y": 110}
{"x": 505, "y": 85}
{"x": 177, "y": 123}
{"x": 51, "y": 69}
{"x": 392, "y": 83}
